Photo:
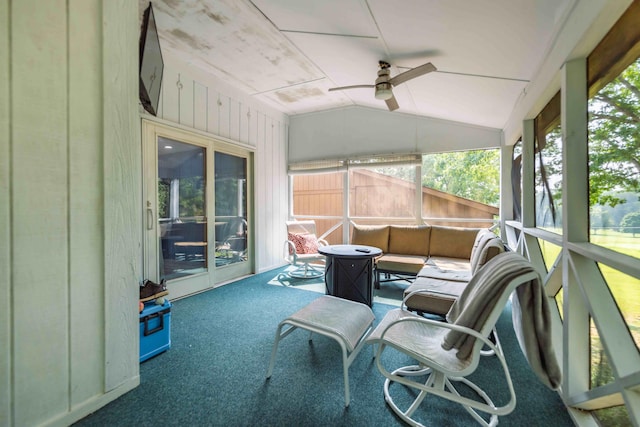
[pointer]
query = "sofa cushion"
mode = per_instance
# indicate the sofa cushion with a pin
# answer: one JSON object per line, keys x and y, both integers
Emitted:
{"x": 492, "y": 248}
{"x": 410, "y": 264}
{"x": 409, "y": 239}
{"x": 371, "y": 235}
{"x": 436, "y": 296}
{"x": 482, "y": 238}
{"x": 452, "y": 242}
{"x": 454, "y": 269}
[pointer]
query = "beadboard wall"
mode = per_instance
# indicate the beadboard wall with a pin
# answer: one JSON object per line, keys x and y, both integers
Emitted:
{"x": 70, "y": 198}
{"x": 70, "y": 232}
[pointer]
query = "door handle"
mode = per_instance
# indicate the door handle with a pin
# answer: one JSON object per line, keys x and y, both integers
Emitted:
{"x": 149, "y": 219}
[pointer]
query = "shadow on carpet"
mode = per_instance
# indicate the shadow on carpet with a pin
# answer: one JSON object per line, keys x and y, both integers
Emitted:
{"x": 389, "y": 293}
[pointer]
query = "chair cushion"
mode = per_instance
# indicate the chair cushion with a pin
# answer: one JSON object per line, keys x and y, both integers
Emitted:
{"x": 304, "y": 243}
{"x": 410, "y": 264}
{"x": 371, "y": 235}
{"x": 437, "y": 295}
{"x": 409, "y": 239}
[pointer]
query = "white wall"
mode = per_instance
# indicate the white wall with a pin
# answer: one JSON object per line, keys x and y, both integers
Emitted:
{"x": 70, "y": 199}
{"x": 70, "y": 231}
{"x": 196, "y": 100}
{"x": 357, "y": 131}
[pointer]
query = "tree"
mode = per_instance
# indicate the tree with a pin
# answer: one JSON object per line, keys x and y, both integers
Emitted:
{"x": 630, "y": 223}
{"x": 474, "y": 175}
{"x": 614, "y": 138}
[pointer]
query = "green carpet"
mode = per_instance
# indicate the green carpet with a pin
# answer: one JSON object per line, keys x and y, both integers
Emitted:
{"x": 214, "y": 373}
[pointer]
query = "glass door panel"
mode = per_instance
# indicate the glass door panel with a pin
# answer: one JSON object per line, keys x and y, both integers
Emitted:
{"x": 231, "y": 229}
{"x": 182, "y": 220}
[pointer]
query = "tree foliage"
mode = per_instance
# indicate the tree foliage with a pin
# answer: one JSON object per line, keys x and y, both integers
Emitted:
{"x": 630, "y": 223}
{"x": 614, "y": 138}
{"x": 474, "y": 175}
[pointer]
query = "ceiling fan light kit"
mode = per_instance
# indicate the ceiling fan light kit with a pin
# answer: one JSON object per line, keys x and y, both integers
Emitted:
{"x": 383, "y": 91}
{"x": 384, "y": 84}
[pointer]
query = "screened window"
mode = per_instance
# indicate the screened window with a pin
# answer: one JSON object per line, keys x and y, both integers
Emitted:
{"x": 461, "y": 185}
{"x": 516, "y": 180}
{"x": 548, "y": 168}
{"x": 614, "y": 163}
{"x": 387, "y": 192}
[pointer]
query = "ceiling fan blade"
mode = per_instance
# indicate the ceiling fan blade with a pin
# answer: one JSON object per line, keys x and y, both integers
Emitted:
{"x": 392, "y": 104}
{"x": 351, "y": 87}
{"x": 412, "y": 73}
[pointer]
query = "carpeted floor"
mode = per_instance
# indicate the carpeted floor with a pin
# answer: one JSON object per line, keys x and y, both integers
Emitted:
{"x": 214, "y": 373}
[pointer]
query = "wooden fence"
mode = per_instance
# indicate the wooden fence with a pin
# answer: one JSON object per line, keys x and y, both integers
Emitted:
{"x": 375, "y": 196}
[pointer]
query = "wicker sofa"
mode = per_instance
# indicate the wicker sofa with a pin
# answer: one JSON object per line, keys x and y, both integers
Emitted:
{"x": 438, "y": 261}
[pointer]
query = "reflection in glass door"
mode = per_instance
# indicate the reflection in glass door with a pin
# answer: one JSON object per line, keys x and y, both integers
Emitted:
{"x": 231, "y": 228}
{"x": 182, "y": 220}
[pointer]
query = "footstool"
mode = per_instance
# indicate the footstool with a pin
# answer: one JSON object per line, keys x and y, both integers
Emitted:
{"x": 347, "y": 322}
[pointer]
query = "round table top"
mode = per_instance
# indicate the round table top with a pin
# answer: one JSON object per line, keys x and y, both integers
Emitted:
{"x": 350, "y": 250}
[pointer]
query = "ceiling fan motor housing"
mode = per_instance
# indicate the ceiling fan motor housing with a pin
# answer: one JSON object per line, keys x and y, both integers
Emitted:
{"x": 383, "y": 87}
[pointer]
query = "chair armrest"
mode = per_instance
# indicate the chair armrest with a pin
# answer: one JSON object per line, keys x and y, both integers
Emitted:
{"x": 322, "y": 242}
{"x": 290, "y": 251}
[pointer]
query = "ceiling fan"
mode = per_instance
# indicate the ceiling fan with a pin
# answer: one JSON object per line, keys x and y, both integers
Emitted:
{"x": 384, "y": 82}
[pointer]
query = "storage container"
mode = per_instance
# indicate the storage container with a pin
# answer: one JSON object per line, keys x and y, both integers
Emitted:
{"x": 155, "y": 329}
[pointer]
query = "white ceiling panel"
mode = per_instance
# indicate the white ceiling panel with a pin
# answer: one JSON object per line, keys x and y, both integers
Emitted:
{"x": 347, "y": 17}
{"x": 288, "y": 53}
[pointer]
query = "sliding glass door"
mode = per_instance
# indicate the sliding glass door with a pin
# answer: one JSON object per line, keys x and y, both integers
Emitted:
{"x": 188, "y": 180}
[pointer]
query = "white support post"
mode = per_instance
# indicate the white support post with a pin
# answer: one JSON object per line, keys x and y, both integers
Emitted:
{"x": 575, "y": 220}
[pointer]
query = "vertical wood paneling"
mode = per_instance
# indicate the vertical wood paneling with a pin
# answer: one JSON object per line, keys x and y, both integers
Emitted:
{"x": 268, "y": 176}
{"x": 253, "y": 126}
{"x": 170, "y": 95}
{"x": 283, "y": 191}
{"x": 224, "y": 114}
{"x": 245, "y": 120}
{"x": 261, "y": 192}
{"x": 185, "y": 86}
{"x": 234, "y": 120}
{"x": 200, "y": 106}
{"x": 5, "y": 219}
{"x": 86, "y": 251}
{"x": 213, "y": 113}
{"x": 122, "y": 191}
{"x": 39, "y": 209}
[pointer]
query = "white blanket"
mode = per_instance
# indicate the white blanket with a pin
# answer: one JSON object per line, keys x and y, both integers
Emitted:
{"x": 531, "y": 317}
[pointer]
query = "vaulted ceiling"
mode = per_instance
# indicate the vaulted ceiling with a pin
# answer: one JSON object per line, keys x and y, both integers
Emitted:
{"x": 288, "y": 53}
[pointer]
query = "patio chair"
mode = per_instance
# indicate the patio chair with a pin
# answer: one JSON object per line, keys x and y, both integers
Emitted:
{"x": 233, "y": 245}
{"x": 301, "y": 250}
{"x": 448, "y": 352}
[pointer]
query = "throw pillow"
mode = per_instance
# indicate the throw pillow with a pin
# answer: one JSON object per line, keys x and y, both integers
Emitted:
{"x": 304, "y": 243}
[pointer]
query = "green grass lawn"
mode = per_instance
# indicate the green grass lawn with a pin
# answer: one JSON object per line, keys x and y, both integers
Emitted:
{"x": 624, "y": 288}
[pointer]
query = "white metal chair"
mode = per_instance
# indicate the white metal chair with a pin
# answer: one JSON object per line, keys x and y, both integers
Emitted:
{"x": 308, "y": 265}
{"x": 448, "y": 352}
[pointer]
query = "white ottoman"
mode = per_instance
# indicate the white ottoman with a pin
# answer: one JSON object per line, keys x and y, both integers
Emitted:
{"x": 345, "y": 321}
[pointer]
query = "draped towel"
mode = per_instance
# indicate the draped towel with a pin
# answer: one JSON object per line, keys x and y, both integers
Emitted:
{"x": 531, "y": 316}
